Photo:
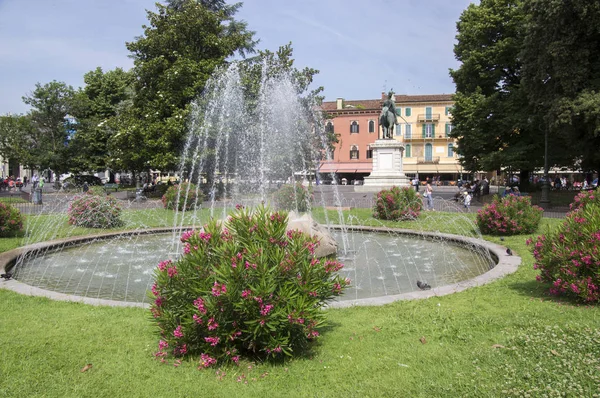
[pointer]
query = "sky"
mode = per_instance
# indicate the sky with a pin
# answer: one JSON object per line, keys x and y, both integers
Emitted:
{"x": 361, "y": 48}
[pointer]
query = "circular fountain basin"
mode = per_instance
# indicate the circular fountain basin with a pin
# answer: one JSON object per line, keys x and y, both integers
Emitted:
{"x": 383, "y": 264}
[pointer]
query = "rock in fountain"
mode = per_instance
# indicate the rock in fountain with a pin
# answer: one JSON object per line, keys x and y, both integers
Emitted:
{"x": 328, "y": 245}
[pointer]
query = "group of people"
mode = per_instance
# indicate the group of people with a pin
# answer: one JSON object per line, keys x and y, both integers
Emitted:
{"x": 10, "y": 183}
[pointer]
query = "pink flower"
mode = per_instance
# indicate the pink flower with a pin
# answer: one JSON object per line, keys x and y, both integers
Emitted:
{"x": 177, "y": 332}
{"x": 206, "y": 360}
{"x": 199, "y": 303}
{"x": 265, "y": 309}
{"x": 246, "y": 293}
{"x": 219, "y": 289}
{"x": 212, "y": 340}
{"x": 163, "y": 264}
{"x": 212, "y": 324}
{"x": 172, "y": 271}
{"x": 162, "y": 345}
{"x": 197, "y": 319}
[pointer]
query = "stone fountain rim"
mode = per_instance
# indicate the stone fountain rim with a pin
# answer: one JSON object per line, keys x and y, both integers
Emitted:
{"x": 505, "y": 265}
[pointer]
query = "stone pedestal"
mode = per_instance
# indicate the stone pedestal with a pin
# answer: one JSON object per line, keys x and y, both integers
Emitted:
{"x": 387, "y": 167}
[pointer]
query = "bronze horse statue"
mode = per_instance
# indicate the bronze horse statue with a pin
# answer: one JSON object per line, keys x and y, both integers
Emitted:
{"x": 387, "y": 119}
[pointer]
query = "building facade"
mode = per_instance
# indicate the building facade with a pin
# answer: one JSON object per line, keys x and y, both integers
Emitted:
{"x": 423, "y": 126}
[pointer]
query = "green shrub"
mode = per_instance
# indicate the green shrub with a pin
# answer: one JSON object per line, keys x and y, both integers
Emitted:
{"x": 397, "y": 204}
{"x": 569, "y": 257}
{"x": 246, "y": 288}
{"x": 11, "y": 220}
{"x": 94, "y": 211}
{"x": 184, "y": 196}
{"x": 511, "y": 215}
{"x": 293, "y": 197}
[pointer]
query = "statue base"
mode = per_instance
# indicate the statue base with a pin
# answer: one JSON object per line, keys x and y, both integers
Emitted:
{"x": 387, "y": 167}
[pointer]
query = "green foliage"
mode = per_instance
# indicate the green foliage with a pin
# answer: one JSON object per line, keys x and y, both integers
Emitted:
{"x": 293, "y": 197}
{"x": 16, "y": 134}
{"x": 561, "y": 72}
{"x": 179, "y": 50}
{"x": 185, "y": 196}
{"x": 493, "y": 123}
{"x": 94, "y": 211}
{"x": 49, "y": 103}
{"x": 245, "y": 288}
{"x": 511, "y": 215}
{"x": 397, "y": 204}
{"x": 11, "y": 220}
{"x": 568, "y": 257}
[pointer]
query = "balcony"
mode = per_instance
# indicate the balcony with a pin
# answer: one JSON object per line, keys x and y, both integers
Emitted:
{"x": 428, "y": 118}
{"x": 431, "y": 160}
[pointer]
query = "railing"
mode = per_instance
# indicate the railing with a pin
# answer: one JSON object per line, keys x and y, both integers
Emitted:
{"x": 424, "y": 118}
{"x": 432, "y": 160}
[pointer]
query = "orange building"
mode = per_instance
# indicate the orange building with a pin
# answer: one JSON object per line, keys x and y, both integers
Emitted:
{"x": 423, "y": 125}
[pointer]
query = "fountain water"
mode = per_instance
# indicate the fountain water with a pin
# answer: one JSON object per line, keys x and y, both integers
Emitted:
{"x": 241, "y": 145}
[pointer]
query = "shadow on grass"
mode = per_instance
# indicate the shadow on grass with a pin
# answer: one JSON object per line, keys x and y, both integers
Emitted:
{"x": 540, "y": 290}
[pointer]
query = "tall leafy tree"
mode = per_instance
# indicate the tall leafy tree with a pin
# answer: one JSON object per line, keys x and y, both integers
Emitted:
{"x": 16, "y": 132}
{"x": 561, "y": 71}
{"x": 50, "y": 104}
{"x": 95, "y": 107}
{"x": 493, "y": 123}
{"x": 180, "y": 49}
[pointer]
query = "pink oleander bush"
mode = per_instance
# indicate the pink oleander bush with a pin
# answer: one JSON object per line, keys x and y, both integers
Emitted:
{"x": 11, "y": 220}
{"x": 243, "y": 288}
{"x": 569, "y": 257}
{"x": 293, "y": 197}
{"x": 94, "y": 211}
{"x": 511, "y": 215}
{"x": 185, "y": 196}
{"x": 397, "y": 204}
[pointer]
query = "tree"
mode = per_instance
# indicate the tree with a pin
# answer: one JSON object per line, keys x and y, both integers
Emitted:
{"x": 50, "y": 104}
{"x": 15, "y": 135}
{"x": 95, "y": 106}
{"x": 180, "y": 49}
{"x": 493, "y": 122}
{"x": 561, "y": 72}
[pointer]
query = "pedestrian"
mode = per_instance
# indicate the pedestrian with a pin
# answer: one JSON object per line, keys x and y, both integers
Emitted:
{"x": 467, "y": 201}
{"x": 428, "y": 194}
{"x": 85, "y": 187}
{"x": 41, "y": 183}
{"x": 415, "y": 183}
{"x": 25, "y": 181}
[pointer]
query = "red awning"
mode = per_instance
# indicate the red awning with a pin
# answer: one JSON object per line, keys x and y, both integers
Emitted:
{"x": 346, "y": 167}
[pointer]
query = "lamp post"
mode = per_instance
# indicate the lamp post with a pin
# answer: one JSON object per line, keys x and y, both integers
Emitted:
{"x": 545, "y": 199}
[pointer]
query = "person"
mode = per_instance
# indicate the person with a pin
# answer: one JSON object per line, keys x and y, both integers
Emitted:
{"x": 34, "y": 181}
{"x": 85, "y": 187}
{"x": 415, "y": 183}
{"x": 467, "y": 201}
{"x": 485, "y": 186}
{"x": 25, "y": 181}
{"x": 41, "y": 183}
{"x": 428, "y": 194}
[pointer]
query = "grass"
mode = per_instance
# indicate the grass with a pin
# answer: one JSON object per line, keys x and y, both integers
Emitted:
{"x": 507, "y": 338}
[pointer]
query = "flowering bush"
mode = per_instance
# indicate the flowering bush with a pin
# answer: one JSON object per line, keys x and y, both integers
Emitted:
{"x": 11, "y": 220}
{"x": 184, "y": 196}
{"x": 397, "y": 204}
{"x": 94, "y": 211}
{"x": 293, "y": 197}
{"x": 569, "y": 257}
{"x": 511, "y": 215}
{"x": 247, "y": 287}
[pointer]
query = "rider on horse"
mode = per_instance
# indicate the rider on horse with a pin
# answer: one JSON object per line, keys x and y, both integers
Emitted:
{"x": 388, "y": 116}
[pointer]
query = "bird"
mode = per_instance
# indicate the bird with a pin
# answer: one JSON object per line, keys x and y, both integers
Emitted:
{"x": 6, "y": 276}
{"x": 508, "y": 252}
{"x": 423, "y": 285}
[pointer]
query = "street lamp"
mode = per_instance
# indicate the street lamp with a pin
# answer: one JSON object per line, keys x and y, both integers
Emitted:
{"x": 545, "y": 199}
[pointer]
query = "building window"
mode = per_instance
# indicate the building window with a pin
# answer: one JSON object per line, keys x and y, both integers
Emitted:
{"x": 354, "y": 152}
{"x": 407, "y": 111}
{"x": 371, "y": 126}
{"x": 448, "y": 110}
{"x": 448, "y": 129}
{"x": 354, "y": 127}
{"x": 450, "y": 150}
{"x": 408, "y": 131}
{"x": 329, "y": 127}
{"x": 428, "y": 114}
{"x": 330, "y": 154}
{"x": 407, "y": 151}
{"x": 428, "y": 152}
{"x": 398, "y": 130}
{"x": 428, "y": 130}
{"x": 399, "y": 111}
{"x": 369, "y": 152}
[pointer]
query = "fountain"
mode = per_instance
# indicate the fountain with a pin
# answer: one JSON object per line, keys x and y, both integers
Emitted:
{"x": 238, "y": 150}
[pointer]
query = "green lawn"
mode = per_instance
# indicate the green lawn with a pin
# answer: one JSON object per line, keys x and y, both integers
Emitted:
{"x": 507, "y": 338}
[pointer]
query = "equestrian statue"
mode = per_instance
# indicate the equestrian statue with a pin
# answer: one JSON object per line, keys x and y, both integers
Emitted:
{"x": 387, "y": 119}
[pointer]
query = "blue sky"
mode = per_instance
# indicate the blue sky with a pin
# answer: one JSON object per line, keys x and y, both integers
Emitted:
{"x": 361, "y": 48}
